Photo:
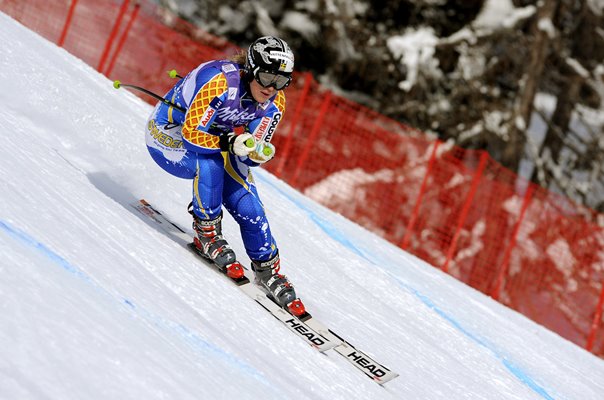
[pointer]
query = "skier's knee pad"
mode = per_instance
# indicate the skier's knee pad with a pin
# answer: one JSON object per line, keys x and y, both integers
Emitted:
{"x": 249, "y": 213}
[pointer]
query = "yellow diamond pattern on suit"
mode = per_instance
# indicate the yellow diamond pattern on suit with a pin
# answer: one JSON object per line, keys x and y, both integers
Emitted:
{"x": 280, "y": 102}
{"x": 215, "y": 87}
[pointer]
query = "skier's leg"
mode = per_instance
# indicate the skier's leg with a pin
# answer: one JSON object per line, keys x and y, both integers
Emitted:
{"x": 164, "y": 143}
{"x": 206, "y": 209}
{"x": 246, "y": 208}
{"x": 242, "y": 201}
{"x": 208, "y": 186}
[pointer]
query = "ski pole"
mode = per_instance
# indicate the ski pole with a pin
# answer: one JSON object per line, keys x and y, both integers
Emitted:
{"x": 118, "y": 84}
{"x": 267, "y": 151}
{"x": 173, "y": 74}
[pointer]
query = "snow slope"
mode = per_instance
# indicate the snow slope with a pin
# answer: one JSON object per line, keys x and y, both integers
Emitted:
{"x": 96, "y": 303}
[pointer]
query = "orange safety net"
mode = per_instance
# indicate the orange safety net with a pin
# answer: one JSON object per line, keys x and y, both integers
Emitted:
{"x": 459, "y": 210}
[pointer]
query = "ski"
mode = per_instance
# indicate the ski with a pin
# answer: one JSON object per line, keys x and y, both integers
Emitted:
{"x": 309, "y": 329}
{"x": 360, "y": 360}
{"x": 293, "y": 323}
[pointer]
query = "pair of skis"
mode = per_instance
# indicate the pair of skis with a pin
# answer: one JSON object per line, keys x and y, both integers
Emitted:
{"x": 306, "y": 327}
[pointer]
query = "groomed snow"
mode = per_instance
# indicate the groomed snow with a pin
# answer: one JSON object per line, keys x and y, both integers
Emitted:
{"x": 97, "y": 303}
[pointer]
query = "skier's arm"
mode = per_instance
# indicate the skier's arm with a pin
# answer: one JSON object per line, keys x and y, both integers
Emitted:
{"x": 201, "y": 114}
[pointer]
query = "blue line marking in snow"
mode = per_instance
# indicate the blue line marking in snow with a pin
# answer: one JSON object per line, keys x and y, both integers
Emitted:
{"x": 189, "y": 336}
{"x": 513, "y": 368}
{"x": 28, "y": 240}
{"x": 340, "y": 237}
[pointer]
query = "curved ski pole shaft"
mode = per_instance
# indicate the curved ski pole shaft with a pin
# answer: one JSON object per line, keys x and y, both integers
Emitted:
{"x": 118, "y": 84}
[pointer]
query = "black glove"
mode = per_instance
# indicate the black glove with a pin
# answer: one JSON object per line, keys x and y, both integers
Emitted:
{"x": 240, "y": 145}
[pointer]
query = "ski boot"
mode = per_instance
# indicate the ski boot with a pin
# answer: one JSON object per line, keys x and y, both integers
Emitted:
{"x": 278, "y": 287}
{"x": 212, "y": 245}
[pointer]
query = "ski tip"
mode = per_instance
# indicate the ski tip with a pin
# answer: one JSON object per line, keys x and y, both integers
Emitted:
{"x": 381, "y": 380}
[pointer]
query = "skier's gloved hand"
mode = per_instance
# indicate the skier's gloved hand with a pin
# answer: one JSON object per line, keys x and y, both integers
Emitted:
{"x": 263, "y": 152}
{"x": 240, "y": 145}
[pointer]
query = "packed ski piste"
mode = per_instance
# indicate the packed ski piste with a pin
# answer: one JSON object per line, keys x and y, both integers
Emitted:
{"x": 212, "y": 127}
{"x": 303, "y": 325}
{"x": 102, "y": 302}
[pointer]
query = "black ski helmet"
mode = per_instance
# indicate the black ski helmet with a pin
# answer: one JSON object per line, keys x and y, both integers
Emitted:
{"x": 269, "y": 54}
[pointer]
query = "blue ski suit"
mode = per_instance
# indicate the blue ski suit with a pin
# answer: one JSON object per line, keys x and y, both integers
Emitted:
{"x": 186, "y": 145}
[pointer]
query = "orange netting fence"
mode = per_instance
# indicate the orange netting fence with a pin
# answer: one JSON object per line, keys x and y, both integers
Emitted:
{"x": 457, "y": 209}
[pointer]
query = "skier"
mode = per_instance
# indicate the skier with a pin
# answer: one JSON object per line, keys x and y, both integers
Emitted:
{"x": 220, "y": 96}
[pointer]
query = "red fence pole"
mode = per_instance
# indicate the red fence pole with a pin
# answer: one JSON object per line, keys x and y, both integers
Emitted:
{"x": 311, "y": 138}
{"x": 466, "y": 208}
{"x": 122, "y": 40}
{"x": 67, "y": 23}
{"x": 503, "y": 270}
{"x": 112, "y": 35}
{"x": 420, "y": 196}
{"x": 596, "y": 321}
{"x": 297, "y": 113}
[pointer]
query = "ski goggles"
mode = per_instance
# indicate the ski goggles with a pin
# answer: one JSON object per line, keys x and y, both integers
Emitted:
{"x": 267, "y": 79}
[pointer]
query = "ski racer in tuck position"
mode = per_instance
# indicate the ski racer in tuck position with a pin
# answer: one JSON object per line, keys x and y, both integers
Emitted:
{"x": 200, "y": 144}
